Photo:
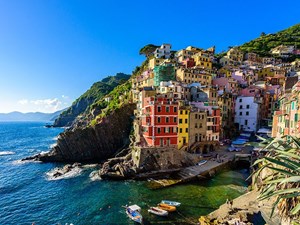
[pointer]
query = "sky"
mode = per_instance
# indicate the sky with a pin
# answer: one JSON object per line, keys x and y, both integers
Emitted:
{"x": 52, "y": 51}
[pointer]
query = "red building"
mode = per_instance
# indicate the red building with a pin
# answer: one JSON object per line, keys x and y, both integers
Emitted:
{"x": 159, "y": 121}
{"x": 189, "y": 62}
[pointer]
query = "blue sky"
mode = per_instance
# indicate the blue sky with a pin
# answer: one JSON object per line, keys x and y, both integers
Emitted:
{"x": 52, "y": 51}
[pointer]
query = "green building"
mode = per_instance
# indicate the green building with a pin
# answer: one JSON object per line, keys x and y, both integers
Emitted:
{"x": 163, "y": 73}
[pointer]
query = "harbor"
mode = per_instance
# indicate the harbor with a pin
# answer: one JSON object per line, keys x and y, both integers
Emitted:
{"x": 223, "y": 160}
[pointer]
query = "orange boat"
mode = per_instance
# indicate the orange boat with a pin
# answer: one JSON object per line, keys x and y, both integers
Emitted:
{"x": 167, "y": 207}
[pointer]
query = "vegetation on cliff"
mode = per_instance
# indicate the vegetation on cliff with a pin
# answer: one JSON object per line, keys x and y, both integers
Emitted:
{"x": 118, "y": 97}
{"x": 82, "y": 105}
{"x": 263, "y": 44}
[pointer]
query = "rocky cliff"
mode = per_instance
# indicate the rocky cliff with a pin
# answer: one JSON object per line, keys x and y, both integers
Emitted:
{"x": 94, "y": 143}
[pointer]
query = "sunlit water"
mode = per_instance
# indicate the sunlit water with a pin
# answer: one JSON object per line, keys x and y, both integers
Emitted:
{"x": 27, "y": 195}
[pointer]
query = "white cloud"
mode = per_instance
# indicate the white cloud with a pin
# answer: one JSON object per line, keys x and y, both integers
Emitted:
{"x": 65, "y": 97}
{"x": 44, "y": 105}
{"x": 23, "y": 101}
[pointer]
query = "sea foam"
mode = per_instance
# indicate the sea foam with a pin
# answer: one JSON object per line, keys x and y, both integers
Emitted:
{"x": 74, "y": 172}
{"x": 2, "y": 153}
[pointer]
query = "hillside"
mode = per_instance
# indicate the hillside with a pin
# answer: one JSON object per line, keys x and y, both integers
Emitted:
{"x": 31, "y": 116}
{"x": 82, "y": 105}
{"x": 263, "y": 44}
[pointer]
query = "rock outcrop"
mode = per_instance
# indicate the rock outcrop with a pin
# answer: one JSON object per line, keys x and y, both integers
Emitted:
{"x": 93, "y": 143}
{"x": 81, "y": 106}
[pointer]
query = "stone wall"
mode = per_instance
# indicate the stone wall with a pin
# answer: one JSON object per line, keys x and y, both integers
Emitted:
{"x": 162, "y": 158}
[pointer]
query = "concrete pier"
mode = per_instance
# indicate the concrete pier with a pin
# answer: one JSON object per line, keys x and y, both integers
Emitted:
{"x": 193, "y": 172}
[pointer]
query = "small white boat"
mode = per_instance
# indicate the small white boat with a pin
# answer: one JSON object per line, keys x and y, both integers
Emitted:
{"x": 172, "y": 203}
{"x": 157, "y": 211}
{"x": 133, "y": 212}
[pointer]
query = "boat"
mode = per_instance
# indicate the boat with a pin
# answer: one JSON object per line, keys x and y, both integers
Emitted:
{"x": 202, "y": 162}
{"x": 157, "y": 211}
{"x": 172, "y": 203}
{"x": 169, "y": 208}
{"x": 133, "y": 212}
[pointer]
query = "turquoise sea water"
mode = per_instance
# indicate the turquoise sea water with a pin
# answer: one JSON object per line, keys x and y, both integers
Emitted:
{"x": 27, "y": 196}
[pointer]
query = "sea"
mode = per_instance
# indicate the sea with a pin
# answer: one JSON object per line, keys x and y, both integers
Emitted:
{"x": 29, "y": 196}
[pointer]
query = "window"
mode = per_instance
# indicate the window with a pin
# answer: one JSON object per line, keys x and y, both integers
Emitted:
{"x": 180, "y": 130}
{"x": 167, "y": 130}
{"x": 241, "y": 113}
{"x": 246, "y": 122}
{"x": 158, "y": 119}
{"x": 241, "y": 107}
{"x": 196, "y": 126}
{"x": 247, "y": 113}
{"x": 186, "y": 130}
{"x": 186, "y": 112}
{"x": 158, "y": 130}
{"x": 195, "y": 116}
{"x": 240, "y": 100}
{"x": 167, "y": 119}
{"x": 175, "y": 109}
{"x": 186, "y": 121}
{"x": 175, "y": 120}
{"x": 248, "y": 106}
{"x": 167, "y": 109}
{"x": 158, "y": 109}
{"x": 181, "y": 112}
{"x": 180, "y": 121}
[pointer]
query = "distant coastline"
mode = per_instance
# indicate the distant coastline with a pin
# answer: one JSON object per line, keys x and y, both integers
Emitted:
{"x": 31, "y": 116}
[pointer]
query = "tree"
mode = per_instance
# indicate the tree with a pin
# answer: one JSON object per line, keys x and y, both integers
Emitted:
{"x": 148, "y": 49}
{"x": 262, "y": 34}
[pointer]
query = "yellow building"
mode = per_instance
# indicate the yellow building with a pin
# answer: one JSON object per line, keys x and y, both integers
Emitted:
{"x": 155, "y": 62}
{"x": 235, "y": 54}
{"x": 183, "y": 54}
{"x": 226, "y": 71}
{"x": 203, "y": 60}
{"x": 183, "y": 126}
{"x": 269, "y": 71}
{"x": 188, "y": 76}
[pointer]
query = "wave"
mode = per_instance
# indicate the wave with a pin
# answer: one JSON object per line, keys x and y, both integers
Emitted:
{"x": 94, "y": 176}
{"x": 55, "y": 138}
{"x": 7, "y": 153}
{"x": 20, "y": 162}
{"x": 52, "y": 174}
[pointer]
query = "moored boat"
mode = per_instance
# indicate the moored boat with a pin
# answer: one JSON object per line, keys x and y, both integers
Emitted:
{"x": 172, "y": 203}
{"x": 157, "y": 211}
{"x": 133, "y": 212}
{"x": 169, "y": 208}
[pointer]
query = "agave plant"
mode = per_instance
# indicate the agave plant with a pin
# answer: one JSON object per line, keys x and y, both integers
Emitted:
{"x": 278, "y": 176}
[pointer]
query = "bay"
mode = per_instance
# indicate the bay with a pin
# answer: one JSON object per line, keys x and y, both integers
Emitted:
{"x": 27, "y": 196}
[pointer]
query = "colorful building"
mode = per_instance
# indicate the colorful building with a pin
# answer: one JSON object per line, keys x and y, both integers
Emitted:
{"x": 163, "y": 73}
{"x": 198, "y": 126}
{"x": 183, "y": 125}
{"x": 203, "y": 60}
{"x": 190, "y": 75}
{"x": 160, "y": 122}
